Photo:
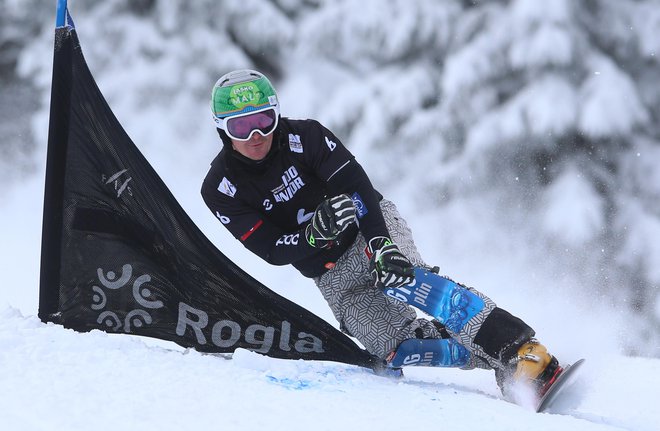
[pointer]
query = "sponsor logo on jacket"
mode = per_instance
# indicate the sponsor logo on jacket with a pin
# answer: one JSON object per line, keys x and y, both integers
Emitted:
{"x": 295, "y": 144}
{"x": 288, "y": 239}
{"x": 226, "y": 187}
{"x": 360, "y": 207}
{"x": 291, "y": 183}
{"x": 224, "y": 219}
{"x": 331, "y": 144}
{"x": 302, "y": 216}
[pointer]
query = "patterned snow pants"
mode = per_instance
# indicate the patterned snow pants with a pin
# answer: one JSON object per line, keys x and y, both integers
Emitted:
{"x": 379, "y": 322}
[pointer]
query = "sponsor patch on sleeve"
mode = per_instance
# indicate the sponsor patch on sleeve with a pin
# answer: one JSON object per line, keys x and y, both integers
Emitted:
{"x": 295, "y": 144}
{"x": 226, "y": 187}
{"x": 360, "y": 207}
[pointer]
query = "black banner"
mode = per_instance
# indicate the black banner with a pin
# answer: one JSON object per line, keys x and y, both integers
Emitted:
{"x": 119, "y": 253}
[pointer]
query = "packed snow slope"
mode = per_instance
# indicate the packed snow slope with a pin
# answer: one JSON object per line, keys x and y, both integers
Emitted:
{"x": 53, "y": 378}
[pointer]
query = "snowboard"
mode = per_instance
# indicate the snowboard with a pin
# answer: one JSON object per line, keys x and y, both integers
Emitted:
{"x": 565, "y": 379}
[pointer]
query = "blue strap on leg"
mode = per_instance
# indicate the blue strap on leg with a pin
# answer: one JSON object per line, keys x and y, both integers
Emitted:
{"x": 431, "y": 352}
{"x": 449, "y": 302}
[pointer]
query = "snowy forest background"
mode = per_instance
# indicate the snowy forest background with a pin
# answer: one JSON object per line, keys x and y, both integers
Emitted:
{"x": 521, "y": 139}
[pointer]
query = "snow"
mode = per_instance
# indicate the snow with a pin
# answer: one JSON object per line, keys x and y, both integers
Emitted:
{"x": 541, "y": 109}
{"x": 386, "y": 34}
{"x": 549, "y": 44}
{"x": 648, "y": 17}
{"x": 526, "y": 11}
{"x": 573, "y": 212}
{"x": 543, "y": 37}
{"x": 640, "y": 223}
{"x": 610, "y": 103}
{"x": 108, "y": 382}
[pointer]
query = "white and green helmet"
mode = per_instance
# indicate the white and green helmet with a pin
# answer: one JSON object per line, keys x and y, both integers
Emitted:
{"x": 242, "y": 92}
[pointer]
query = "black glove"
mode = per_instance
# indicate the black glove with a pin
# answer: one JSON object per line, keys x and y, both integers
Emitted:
{"x": 388, "y": 266}
{"x": 332, "y": 217}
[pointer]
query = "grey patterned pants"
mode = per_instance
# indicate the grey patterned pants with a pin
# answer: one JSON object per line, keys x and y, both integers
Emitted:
{"x": 379, "y": 322}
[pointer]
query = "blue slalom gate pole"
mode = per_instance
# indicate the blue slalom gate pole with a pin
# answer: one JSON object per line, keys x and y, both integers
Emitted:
{"x": 60, "y": 17}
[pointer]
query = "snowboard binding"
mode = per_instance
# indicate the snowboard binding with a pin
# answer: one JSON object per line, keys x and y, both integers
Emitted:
{"x": 534, "y": 369}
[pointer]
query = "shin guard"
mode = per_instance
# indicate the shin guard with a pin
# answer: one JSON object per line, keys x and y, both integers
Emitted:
{"x": 470, "y": 317}
{"x": 432, "y": 352}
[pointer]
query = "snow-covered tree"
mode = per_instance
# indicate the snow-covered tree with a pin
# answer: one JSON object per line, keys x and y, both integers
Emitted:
{"x": 20, "y": 21}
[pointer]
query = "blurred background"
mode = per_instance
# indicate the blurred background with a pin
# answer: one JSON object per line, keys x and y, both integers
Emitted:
{"x": 520, "y": 139}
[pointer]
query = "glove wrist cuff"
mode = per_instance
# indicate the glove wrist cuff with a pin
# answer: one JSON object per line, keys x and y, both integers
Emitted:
{"x": 378, "y": 242}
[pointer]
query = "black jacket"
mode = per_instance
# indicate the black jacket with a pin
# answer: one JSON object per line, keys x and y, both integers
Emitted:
{"x": 267, "y": 204}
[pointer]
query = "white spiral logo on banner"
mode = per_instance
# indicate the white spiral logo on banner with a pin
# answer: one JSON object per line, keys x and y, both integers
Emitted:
{"x": 136, "y": 318}
{"x": 98, "y": 299}
{"x": 110, "y": 282}
{"x": 141, "y": 293}
{"x": 110, "y": 320}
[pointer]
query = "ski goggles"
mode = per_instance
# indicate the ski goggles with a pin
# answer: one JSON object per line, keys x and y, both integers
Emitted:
{"x": 242, "y": 127}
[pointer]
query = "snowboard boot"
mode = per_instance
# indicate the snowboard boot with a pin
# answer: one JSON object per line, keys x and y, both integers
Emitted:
{"x": 532, "y": 367}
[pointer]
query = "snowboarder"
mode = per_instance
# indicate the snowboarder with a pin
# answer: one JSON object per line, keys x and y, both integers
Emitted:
{"x": 292, "y": 193}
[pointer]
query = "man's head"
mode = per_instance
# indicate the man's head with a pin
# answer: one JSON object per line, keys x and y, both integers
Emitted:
{"x": 245, "y": 107}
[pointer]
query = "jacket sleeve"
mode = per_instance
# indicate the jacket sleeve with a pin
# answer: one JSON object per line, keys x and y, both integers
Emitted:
{"x": 254, "y": 231}
{"x": 353, "y": 180}
{"x": 335, "y": 164}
